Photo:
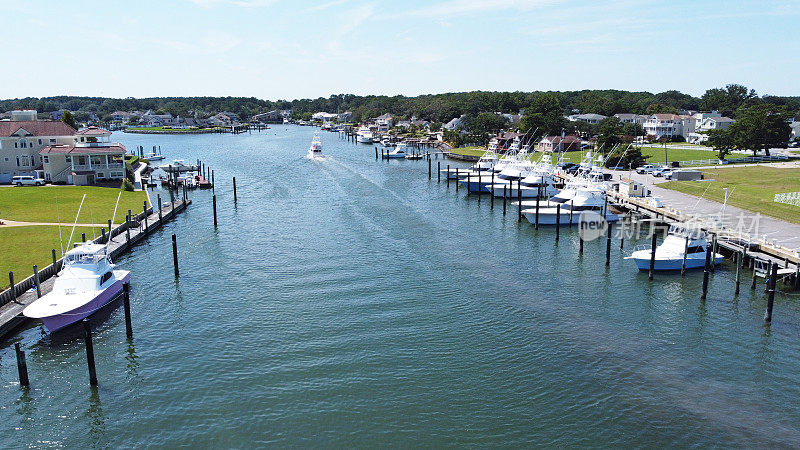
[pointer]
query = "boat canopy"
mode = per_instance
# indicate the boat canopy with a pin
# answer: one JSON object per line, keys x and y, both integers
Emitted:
{"x": 89, "y": 253}
{"x": 685, "y": 229}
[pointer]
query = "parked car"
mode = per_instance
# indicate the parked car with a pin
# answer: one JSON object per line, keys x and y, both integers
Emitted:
{"x": 27, "y": 180}
{"x": 647, "y": 168}
{"x": 659, "y": 171}
{"x": 667, "y": 174}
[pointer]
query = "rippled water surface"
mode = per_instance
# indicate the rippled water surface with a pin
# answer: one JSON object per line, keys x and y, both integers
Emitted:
{"x": 354, "y": 302}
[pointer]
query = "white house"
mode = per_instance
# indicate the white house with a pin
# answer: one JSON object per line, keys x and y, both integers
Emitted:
{"x": 795, "y": 125}
{"x": 668, "y": 126}
{"x": 91, "y": 158}
{"x": 21, "y": 139}
{"x": 455, "y": 124}
{"x": 324, "y": 116}
{"x": 588, "y": 118}
{"x": 716, "y": 122}
{"x": 632, "y": 118}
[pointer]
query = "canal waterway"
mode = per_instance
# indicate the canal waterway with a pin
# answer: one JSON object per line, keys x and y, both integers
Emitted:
{"x": 354, "y": 302}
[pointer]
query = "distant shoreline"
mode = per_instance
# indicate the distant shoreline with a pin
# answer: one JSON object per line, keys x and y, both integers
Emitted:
{"x": 176, "y": 131}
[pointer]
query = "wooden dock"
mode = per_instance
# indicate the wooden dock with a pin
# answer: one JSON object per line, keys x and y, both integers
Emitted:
{"x": 123, "y": 238}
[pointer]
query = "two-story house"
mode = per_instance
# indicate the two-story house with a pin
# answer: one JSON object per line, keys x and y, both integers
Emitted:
{"x": 90, "y": 158}
{"x": 21, "y": 140}
{"x": 669, "y": 126}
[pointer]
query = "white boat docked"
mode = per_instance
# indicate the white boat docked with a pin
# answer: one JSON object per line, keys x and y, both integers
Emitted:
{"x": 684, "y": 240}
{"x": 364, "y": 135}
{"x": 153, "y": 157}
{"x": 586, "y": 198}
{"x": 485, "y": 163}
{"x": 87, "y": 282}
{"x": 399, "y": 151}
{"x": 315, "y": 150}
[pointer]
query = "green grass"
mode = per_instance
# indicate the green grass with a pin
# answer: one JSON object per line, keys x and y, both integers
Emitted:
{"x": 38, "y": 204}
{"x": 469, "y": 151}
{"x": 22, "y": 247}
{"x": 752, "y": 188}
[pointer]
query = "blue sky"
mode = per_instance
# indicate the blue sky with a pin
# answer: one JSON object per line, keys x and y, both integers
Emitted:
{"x": 279, "y": 49}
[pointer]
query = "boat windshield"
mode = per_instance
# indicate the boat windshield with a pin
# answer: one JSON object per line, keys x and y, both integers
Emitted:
{"x": 83, "y": 258}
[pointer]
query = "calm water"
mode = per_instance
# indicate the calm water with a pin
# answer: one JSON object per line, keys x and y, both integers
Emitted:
{"x": 352, "y": 302}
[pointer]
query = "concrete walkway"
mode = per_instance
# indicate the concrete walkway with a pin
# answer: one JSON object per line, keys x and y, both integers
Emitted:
{"x": 757, "y": 226}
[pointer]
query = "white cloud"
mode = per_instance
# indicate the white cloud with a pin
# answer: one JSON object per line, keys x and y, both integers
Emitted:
{"x": 353, "y": 19}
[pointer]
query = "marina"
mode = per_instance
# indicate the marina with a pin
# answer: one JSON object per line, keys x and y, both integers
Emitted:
{"x": 368, "y": 295}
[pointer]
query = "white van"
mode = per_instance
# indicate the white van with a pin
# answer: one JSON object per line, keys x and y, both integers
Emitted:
{"x": 27, "y": 180}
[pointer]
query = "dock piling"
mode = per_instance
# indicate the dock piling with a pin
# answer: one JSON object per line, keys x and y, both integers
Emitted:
{"x": 87, "y": 337}
{"x": 175, "y": 254}
{"x": 126, "y": 303}
{"x": 37, "y": 282}
{"x": 160, "y": 218}
{"x": 22, "y": 366}
{"x": 608, "y": 245}
{"x": 11, "y": 283}
{"x": 571, "y": 206}
{"x": 429, "y": 168}
{"x": 558, "y": 221}
{"x": 653, "y": 238}
{"x": 214, "y": 203}
{"x": 519, "y": 200}
{"x": 83, "y": 237}
{"x": 128, "y": 229}
{"x": 753, "y": 281}
{"x": 580, "y": 240}
{"x": 457, "y": 183}
{"x": 235, "y": 199}
{"x": 773, "y": 278}
{"x": 480, "y": 181}
{"x": 447, "y": 177}
{"x": 55, "y": 261}
{"x": 738, "y": 272}
{"x": 438, "y": 171}
{"x": 144, "y": 211}
{"x": 685, "y": 251}
{"x": 713, "y": 250}
{"x": 706, "y": 271}
{"x": 621, "y": 234}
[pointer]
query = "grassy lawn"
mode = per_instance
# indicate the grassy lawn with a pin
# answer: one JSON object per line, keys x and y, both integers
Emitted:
{"x": 656, "y": 154}
{"x": 22, "y": 247}
{"x": 38, "y": 204}
{"x": 469, "y": 151}
{"x": 755, "y": 189}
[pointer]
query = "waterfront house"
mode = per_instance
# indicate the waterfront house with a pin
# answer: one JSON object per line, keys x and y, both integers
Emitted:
{"x": 669, "y": 126}
{"x": 152, "y": 119}
{"x": 345, "y": 117}
{"x": 558, "y": 144}
{"x": 220, "y": 120}
{"x": 456, "y": 124}
{"x": 21, "y": 140}
{"x": 89, "y": 159}
{"x": 268, "y": 117}
{"x": 795, "y": 126}
{"x": 632, "y": 118}
{"x": 709, "y": 123}
{"x": 323, "y": 116}
{"x": 383, "y": 122}
{"x": 588, "y": 118}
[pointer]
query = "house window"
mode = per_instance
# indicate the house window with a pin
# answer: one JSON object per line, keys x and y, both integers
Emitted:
{"x": 52, "y": 141}
{"x": 45, "y": 159}
{"x": 100, "y": 175}
{"x": 40, "y": 142}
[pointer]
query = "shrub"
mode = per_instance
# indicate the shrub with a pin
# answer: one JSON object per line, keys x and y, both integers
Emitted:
{"x": 127, "y": 186}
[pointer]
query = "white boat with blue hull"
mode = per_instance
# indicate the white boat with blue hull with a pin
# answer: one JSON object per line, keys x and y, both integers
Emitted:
{"x": 683, "y": 240}
{"x": 583, "y": 199}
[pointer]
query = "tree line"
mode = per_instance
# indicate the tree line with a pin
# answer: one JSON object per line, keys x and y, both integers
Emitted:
{"x": 546, "y": 107}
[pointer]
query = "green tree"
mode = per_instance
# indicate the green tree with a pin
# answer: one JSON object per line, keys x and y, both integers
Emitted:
{"x": 435, "y": 127}
{"x": 761, "y": 126}
{"x": 721, "y": 140}
{"x": 545, "y": 114}
{"x": 632, "y": 129}
{"x": 68, "y": 119}
{"x": 728, "y": 99}
{"x": 608, "y": 132}
{"x": 133, "y": 120}
{"x": 660, "y": 108}
{"x": 484, "y": 125}
{"x": 625, "y": 157}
